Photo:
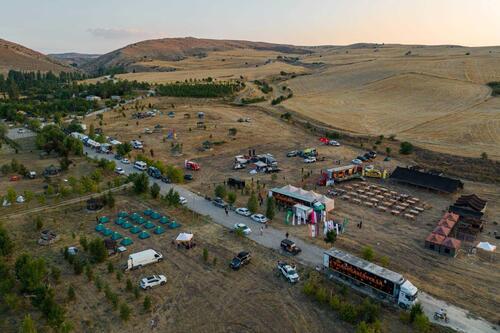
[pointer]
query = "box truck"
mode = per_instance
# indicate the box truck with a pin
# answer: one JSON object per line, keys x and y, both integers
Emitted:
{"x": 377, "y": 281}
{"x": 143, "y": 258}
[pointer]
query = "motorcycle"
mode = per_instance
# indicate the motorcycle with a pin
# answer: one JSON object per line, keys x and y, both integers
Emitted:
{"x": 438, "y": 315}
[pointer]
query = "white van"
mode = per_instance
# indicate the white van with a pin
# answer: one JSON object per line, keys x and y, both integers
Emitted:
{"x": 140, "y": 165}
{"x": 143, "y": 258}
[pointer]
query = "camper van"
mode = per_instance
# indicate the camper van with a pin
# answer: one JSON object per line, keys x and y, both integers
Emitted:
{"x": 143, "y": 258}
{"x": 140, "y": 165}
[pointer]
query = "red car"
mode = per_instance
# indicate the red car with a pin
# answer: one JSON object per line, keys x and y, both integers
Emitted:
{"x": 14, "y": 178}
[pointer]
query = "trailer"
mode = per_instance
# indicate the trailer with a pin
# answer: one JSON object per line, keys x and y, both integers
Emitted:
{"x": 143, "y": 258}
{"x": 340, "y": 174}
{"x": 378, "y": 282}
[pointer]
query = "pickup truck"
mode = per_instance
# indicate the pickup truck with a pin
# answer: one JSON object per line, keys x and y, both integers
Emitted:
{"x": 290, "y": 246}
{"x": 288, "y": 271}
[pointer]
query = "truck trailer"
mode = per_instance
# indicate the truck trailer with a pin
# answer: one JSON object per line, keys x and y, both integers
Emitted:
{"x": 375, "y": 280}
{"x": 339, "y": 174}
{"x": 143, "y": 258}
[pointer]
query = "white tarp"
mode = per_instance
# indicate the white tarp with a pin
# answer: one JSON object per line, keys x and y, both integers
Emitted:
{"x": 486, "y": 246}
{"x": 184, "y": 237}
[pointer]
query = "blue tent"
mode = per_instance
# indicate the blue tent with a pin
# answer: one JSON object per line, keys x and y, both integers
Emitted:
{"x": 141, "y": 220}
{"x": 155, "y": 215}
{"x": 148, "y": 212}
{"x": 149, "y": 225}
{"x": 123, "y": 214}
{"x": 135, "y": 230}
{"x": 116, "y": 236}
{"x": 127, "y": 225}
{"x": 135, "y": 216}
{"x": 164, "y": 220}
{"x": 103, "y": 219}
{"x": 99, "y": 227}
{"x": 120, "y": 221}
{"x": 173, "y": 225}
{"x": 159, "y": 230}
{"x": 107, "y": 232}
{"x": 126, "y": 242}
{"x": 144, "y": 235}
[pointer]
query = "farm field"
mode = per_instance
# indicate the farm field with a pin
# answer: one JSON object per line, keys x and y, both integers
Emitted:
{"x": 472, "y": 278}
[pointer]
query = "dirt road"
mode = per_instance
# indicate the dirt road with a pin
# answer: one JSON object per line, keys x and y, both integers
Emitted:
{"x": 311, "y": 255}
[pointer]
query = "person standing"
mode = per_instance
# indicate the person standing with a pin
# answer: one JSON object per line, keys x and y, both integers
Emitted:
{"x": 286, "y": 235}
{"x": 227, "y": 212}
{"x": 261, "y": 231}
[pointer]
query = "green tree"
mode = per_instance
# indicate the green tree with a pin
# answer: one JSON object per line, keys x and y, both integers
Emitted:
{"x": 406, "y": 148}
{"x": 270, "y": 208}
{"x": 484, "y": 156}
{"x": 98, "y": 250}
{"x": 388, "y": 151}
{"x": 253, "y": 204}
{"x": 176, "y": 175}
{"x": 205, "y": 254}
{"x": 11, "y": 195}
{"x": 141, "y": 183}
{"x": 30, "y": 272}
{"x": 220, "y": 191}
{"x": 129, "y": 286}
{"x": 92, "y": 131}
{"x": 125, "y": 312}
{"x": 416, "y": 310}
{"x": 147, "y": 303}
{"x": 155, "y": 190}
{"x": 331, "y": 237}
{"x": 6, "y": 244}
{"x": 231, "y": 198}
{"x": 111, "y": 268}
{"x": 368, "y": 253}
{"x": 28, "y": 325}
{"x": 369, "y": 311}
{"x": 71, "y": 293}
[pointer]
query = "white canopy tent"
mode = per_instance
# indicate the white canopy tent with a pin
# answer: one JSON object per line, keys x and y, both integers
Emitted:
{"x": 485, "y": 246}
{"x": 184, "y": 237}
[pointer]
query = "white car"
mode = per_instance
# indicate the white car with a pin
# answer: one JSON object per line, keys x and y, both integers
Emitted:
{"x": 125, "y": 161}
{"x": 311, "y": 159}
{"x": 153, "y": 281}
{"x": 119, "y": 171}
{"x": 369, "y": 167}
{"x": 334, "y": 143}
{"x": 243, "y": 211}
{"x": 259, "y": 218}
{"x": 357, "y": 161}
{"x": 243, "y": 227}
{"x": 183, "y": 201}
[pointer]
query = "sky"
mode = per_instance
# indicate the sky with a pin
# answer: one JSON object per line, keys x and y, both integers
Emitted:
{"x": 100, "y": 26}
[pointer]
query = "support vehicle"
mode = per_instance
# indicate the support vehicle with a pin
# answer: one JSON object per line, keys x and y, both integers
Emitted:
{"x": 289, "y": 246}
{"x": 241, "y": 259}
{"x": 153, "y": 281}
{"x": 143, "y": 258}
{"x": 376, "y": 281}
{"x": 288, "y": 271}
{"x": 219, "y": 203}
{"x": 140, "y": 165}
{"x": 190, "y": 165}
{"x": 154, "y": 172}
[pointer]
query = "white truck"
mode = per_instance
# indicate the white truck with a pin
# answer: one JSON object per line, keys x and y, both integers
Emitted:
{"x": 374, "y": 280}
{"x": 143, "y": 258}
{"x": 288, "y": 271}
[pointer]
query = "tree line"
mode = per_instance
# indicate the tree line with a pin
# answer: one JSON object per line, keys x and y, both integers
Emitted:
{"x": 198, "y": 90}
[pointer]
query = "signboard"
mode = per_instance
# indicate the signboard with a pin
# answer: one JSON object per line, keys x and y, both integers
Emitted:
{"x": 361, "y": 275}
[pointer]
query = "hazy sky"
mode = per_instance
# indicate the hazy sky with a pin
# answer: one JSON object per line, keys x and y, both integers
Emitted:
{"x": 99, "y": 26}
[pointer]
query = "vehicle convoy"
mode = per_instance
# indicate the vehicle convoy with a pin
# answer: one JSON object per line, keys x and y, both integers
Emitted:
{"x": 375, "y": 280}
{"x": 241, "y": 259}
{"x": 289, "y": 246}
{"x": 288, "y": 271}
{"x": 153, "y": 281}
{"x": 139, "y": 259}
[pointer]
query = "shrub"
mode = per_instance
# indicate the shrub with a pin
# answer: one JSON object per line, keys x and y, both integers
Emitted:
{"x": 384, "y": 261}
{"x": 111, "y": 268}
{"x": 28, "y": 325}
{"x": 205, "y": 254}
{"x": 55, "y": 274}
{"x": 38, "y": 223}
{"x": 71, "y": 293}
{"x": 98, "y": 250}
{"x": 78, "y": 265}
{"x": 253, "y": 204}
{"x": 129, "y": 287}
{"x": 88, "y": 272}
{"x": 84, "y": 243}
{"x": 220, "y": 191}
{"x": 270, "y": 208}
{"x": 30, "y": 272}
{"x": 137, "y": 292}
{"x": 421, "y": 323}
{"x": 406, "y": 148}
{"x": 141, "y": 183}
{"x": 231, "y": 198}
{"x": 331, "y": 237}
{"x": 335, "y": 303}
{"x": 415, "y": 310}
{"x": 484, "y": 156}
{"x": 321, "y": 295}
{"x": 98, "y": 283}
{"x": 368, "y": 253}
{"x": 348, "y": 313}
{"x": 147, "y": 303}
{"x": 369, "y": 311}
{"x": 119, "y": 275}
{"x": 155, "y": 190}
{"x": 309, "y": 288}
{"x": 6, "y": 244}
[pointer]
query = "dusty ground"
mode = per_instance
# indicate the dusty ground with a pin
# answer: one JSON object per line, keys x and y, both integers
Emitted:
{"x": 473, "y": 280}
{"x": 198, "y": 297}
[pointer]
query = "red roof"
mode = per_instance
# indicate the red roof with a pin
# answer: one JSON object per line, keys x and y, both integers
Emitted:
{"x": 451, "y": 243}
{"x": 450, "y": 216}
{"x": 443, "y": 231}
{"x": 446, "y": 223}
{"x": 435, "y": 238}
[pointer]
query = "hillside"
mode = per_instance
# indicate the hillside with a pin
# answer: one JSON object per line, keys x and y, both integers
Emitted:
{"x": 136, "y": 56}
{"x": 73, "y": 59}
{"x": 18, "y": 57}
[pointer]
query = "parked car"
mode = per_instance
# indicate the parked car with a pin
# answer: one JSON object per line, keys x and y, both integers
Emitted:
{"x": 288, "y": 271}
{"x": 31, "y": 174}
{"x": 289, "y": 246}
{"x": 292, "y": 153}
{"x": 118, "y": 157}
{"x": 154, "y": 172}
{"x": 219, "y": 202}
{"x": 241, "y": 259}
{"x": 369, "y": 167}
{"x": 238, "y": 166}
{"x": 310, "y": 159}
{"x": 119, "y": 171}
{"x": 125, "y": 161}
{"x": 334, "y": 143}
{"x": 243, "y": 227}
{"x": 188, "y": 177}
{"x": 372, "y": 153}
{"x": 153, "y": 281}
{"x": 259, "y": 218}
{"x": 361, "y": 158}
{"x": 183, "y": 201}
{"x": 357, "y": 161}
{"x": 243, "y": 211}
{"x": 165, "y": 179}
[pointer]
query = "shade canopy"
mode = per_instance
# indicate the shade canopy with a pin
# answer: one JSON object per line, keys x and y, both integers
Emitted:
{"x": 103, "y": 219}
{"x": 149, "y": 225}
{"x": 486, "y": 246}
{"x": 144, "y": 235}
{"x": 155, "y": 215}
{"x": 164, "y": 220}
{"x": 120, "y": 221}
{"x": 116, "y": 236}
{"x": 135, "y": 230}
{"x": 99, "y": 227}
{"x": 122, "y": 214}
{"x": 107, "y": 232}
{"x": 127, "y": 225}
{"x": 184, "y": 237}
{"x": 159, "y": 230}
{"x": 148, "y": 212}
{"x": 126, "y": 242}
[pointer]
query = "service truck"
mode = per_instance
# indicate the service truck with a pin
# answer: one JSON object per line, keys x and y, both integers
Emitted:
{"x": 377, "y": 281}
{"x": 143, "y": 258}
